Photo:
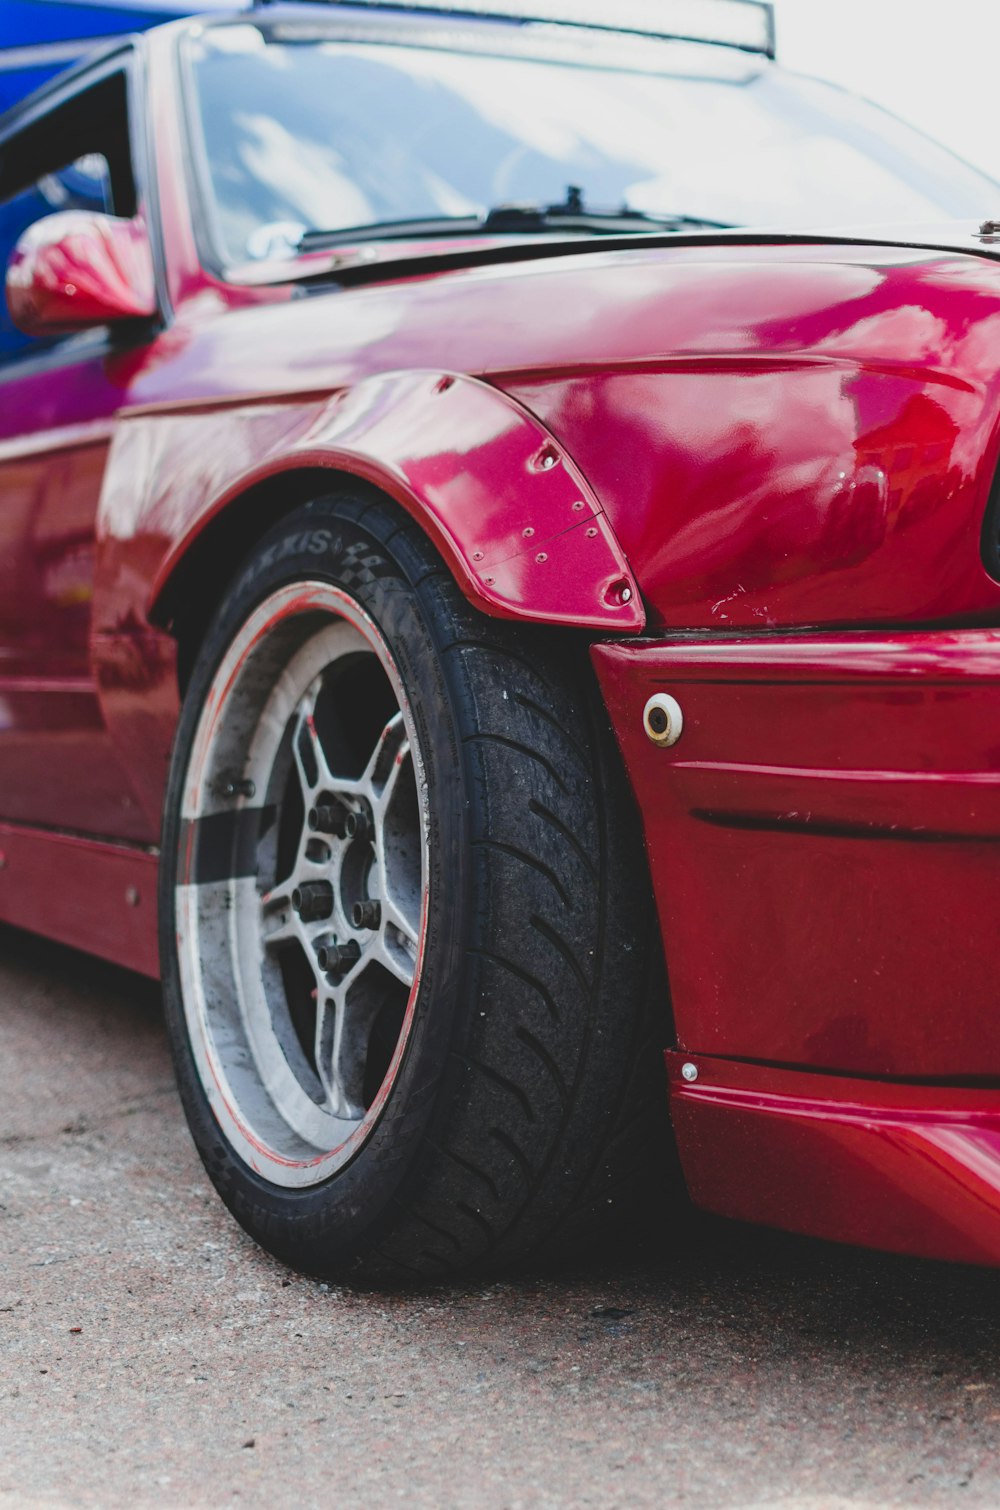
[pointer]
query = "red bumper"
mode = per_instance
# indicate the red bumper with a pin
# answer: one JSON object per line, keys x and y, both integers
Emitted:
{"x": 824, "y": 844}
{"x": 915, "y": 1169}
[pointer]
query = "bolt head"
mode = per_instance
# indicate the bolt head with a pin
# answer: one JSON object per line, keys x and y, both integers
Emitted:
{"x": 332, "y": 818}
{"x": 313, "y": 900}
{"x": 359, "y": 825}
{"x": 366, "y": 914}
{"x": 689, "y": 1072}
{"x": 337, "y": 959}
{"x": 663, "y": 720}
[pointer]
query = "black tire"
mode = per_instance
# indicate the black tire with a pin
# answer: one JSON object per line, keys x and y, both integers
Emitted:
{"x": 529, "y": 1103}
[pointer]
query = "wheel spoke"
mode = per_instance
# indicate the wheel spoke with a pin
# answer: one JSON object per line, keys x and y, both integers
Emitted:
{"x": 392, "y": 952}
{"x": 307, "y": 749}
{"x": 395, "y": 918}
{"x": 387, "y": 759}
{"x": 341, "y": 1047}
{"x": 277, "y": 918}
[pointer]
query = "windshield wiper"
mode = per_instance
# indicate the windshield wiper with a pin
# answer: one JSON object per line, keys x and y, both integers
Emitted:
{"x": 512, "y": 220}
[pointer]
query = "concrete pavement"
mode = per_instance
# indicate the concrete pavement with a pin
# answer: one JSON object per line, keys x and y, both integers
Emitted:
{"x": 151, "y": 1355}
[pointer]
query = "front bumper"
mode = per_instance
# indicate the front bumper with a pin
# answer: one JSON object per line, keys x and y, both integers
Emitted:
{"x": 824, "y": 846}
{"x": 912, "y": 1169}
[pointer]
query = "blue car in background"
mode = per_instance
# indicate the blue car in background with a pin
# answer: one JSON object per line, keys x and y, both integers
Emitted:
{"x": 38, "y": 38}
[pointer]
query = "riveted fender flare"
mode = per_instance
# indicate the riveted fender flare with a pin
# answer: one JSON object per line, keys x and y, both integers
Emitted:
{"x": 513, "y": 517}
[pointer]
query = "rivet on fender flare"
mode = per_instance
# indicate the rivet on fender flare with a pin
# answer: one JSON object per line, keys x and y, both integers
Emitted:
{"x": 663, "y": 720}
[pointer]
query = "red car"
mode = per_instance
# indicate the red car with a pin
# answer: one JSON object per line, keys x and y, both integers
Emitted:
{"x": 473, "y": 620}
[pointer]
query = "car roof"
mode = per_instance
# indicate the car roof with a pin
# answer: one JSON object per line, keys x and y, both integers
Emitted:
{"x": 82, "y": 23}
{"x": 744, "y": 24}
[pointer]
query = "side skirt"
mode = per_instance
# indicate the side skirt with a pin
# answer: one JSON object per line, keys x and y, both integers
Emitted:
{"x": 93, "y": 895}
{"x": 908, "y": 1168}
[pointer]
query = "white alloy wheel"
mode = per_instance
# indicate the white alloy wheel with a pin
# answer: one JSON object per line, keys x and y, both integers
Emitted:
{"x": 300, "y": 910}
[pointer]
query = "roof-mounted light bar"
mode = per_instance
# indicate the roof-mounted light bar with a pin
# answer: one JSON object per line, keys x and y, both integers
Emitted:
{"x": 747, "y": 24}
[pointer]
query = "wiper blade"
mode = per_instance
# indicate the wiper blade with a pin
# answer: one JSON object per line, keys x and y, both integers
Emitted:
{"x": 508, "y": 220}
{"x": 609, "y": 222}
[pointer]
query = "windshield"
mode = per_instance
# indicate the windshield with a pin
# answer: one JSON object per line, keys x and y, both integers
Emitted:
{"x": 303, "y": 132}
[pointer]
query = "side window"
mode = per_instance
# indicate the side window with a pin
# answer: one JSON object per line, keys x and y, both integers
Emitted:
{"x": 76, "y": 157}
{"x": 81, "y": 185}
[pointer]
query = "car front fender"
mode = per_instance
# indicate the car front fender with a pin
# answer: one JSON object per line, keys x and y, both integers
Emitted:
{"x": 513, "y": 518}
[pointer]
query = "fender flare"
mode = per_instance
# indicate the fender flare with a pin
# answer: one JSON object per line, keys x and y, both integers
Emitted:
{"x": 513, "y": 517}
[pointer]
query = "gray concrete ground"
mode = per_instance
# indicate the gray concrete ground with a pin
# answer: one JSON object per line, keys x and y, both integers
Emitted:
{"x": 151, "y": 1355}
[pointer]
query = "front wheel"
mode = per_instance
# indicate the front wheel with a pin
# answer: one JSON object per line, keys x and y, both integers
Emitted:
{"x": 406, "y": 932}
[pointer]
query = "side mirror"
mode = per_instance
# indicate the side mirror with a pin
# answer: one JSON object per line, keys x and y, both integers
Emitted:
{"x": 76, "y": 269}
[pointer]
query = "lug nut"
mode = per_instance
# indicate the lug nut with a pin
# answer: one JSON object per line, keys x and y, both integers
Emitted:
{"x": 337, "y": 959}
{"x": 362, "y": 826}
{"x": 332, "y": 818}
{"x": 366, "y": 914}
{"x": 313, "y": 900}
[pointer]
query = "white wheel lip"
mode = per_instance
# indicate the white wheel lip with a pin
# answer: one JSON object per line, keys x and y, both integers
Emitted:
{"x": 279, "y": 1168}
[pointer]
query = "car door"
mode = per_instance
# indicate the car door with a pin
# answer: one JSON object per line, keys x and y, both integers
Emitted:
{"x": 58, "y": 401}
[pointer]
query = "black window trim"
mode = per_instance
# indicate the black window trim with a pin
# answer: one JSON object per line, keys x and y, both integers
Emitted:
{"x": 65, "y": 87}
